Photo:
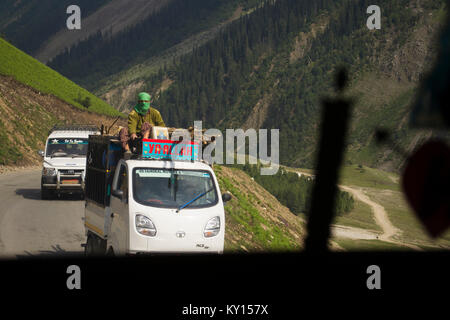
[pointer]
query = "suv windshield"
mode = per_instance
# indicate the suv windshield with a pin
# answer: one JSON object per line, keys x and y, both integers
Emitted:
{"x": 66, "y": 147}
{"x": 170, "y": 188}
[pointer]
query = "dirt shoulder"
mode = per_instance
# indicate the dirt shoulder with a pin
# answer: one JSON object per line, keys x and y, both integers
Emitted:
{"x": 10, "y": 169}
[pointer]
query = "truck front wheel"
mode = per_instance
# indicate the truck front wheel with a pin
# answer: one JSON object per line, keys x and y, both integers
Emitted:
{"x": 110, "y": 252}
{"x": 95, "y": 246}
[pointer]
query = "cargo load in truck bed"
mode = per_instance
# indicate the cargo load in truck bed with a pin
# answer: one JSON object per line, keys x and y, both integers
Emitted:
{"x": 103, "y": 154}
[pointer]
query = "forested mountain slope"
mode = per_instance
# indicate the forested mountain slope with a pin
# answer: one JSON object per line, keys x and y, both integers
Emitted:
{"x": 112, "y": 17}
{"x": 38, "y": 27}
{"x": 29, "y": 24}
{"x": 271, "y": 68}
{"x": 104, "y": 54}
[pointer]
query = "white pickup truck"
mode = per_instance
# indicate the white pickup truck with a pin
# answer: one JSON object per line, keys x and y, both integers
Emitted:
{"x": 145, "y": 205}
{"x": 64, "y": 160}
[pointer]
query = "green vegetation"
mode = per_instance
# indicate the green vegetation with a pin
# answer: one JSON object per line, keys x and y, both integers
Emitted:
{"x": 363, "y": 176}
{"x": 241, "y": 211}
{"x": 86, "y": 102}
{"x": 23, "y": 132}
{"x": 384, "y": 189}
{"x": 402, "y": 216}
{"x": 31, "y": 72}
{"x": 361, "y": 216}
{"x": 272, "y": 56}
{"x": 293, "y": 191}
{"x": 102, "y": 55}
{"x": 388, "y": 111}
{"x": 250, "y": 4}
{"x": 27, "y": 24}
{"x": 8, "y": 151}
{"x": 282, "y": 54}
{"x": 247, "y": 216}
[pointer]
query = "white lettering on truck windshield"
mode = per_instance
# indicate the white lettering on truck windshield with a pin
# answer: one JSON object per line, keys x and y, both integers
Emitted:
{"x": 67, "y": 147}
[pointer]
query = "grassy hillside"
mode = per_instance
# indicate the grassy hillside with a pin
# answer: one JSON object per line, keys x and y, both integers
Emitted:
{"x": 26, "y": 116}
{"x": 384, "y": 189}
{"x": 31, "y": 72}
{"x": 255, "y": 220}
{"x": 403, "y": 217}
{"x": 362, "y": 176}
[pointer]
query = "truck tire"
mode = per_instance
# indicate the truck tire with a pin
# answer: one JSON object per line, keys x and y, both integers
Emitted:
{"x": 89, "y": 247}
{"x": 95, "y": 246}
{"x": 110, "y": 252}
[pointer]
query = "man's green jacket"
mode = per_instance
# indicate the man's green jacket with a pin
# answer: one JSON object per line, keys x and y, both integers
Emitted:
{"x": 135, "y": 120}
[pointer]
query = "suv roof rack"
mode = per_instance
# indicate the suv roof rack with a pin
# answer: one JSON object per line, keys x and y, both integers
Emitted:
{"x": 75, "y": 127}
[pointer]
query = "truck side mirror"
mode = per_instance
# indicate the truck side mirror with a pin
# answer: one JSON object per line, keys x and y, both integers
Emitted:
{"x": 226, "y": 197}
{"x": 41, "y": 153}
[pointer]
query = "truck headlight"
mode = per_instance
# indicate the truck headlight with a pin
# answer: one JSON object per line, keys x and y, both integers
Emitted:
{"x": 212, "y": 228}
{"x": 145, "y": 226}
{"x": 48, "y": 171}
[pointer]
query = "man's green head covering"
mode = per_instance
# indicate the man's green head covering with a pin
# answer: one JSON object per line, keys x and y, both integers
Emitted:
{"x": 143, "y": 103}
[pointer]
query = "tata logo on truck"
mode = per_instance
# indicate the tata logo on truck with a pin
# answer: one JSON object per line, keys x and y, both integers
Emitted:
{"x": 180, "y": 234}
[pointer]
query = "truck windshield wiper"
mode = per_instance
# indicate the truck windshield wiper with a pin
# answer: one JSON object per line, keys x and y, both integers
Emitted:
{"x": 77, "y": 155}
{"x": 193, "y": 200}
{"x": 61, "y": 154}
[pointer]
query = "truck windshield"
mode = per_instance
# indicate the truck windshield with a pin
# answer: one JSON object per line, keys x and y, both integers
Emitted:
{"x": 170, "y": 188}
{"x": 67, "y": 147}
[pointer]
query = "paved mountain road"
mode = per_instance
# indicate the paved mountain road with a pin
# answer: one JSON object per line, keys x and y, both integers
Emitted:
{"x": 30, "y": 226}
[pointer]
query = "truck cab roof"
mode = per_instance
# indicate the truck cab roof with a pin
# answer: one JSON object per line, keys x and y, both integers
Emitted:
{"x": 73, "y": 131}
{"x": 70, "y": 134}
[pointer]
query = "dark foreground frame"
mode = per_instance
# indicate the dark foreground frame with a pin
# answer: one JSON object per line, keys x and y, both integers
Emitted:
{"x": 286, "y": 282}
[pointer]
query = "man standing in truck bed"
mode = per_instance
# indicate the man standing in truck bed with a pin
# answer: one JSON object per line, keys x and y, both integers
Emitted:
{"x": 140, "y": 121}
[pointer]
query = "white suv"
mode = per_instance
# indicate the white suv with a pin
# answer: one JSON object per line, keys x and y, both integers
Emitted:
{"x": 64, "y": 163}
